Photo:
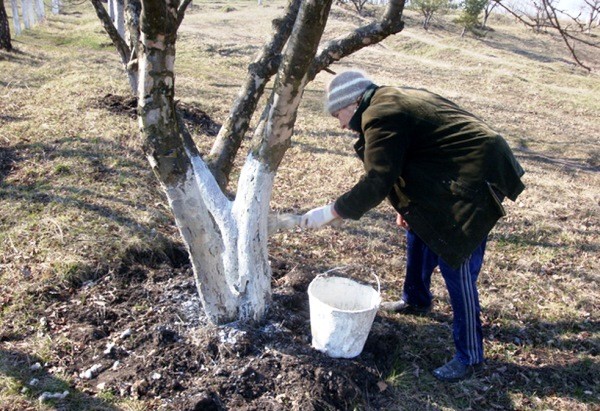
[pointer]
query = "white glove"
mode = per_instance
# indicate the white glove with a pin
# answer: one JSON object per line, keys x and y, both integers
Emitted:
{"x": 318, "y": 217}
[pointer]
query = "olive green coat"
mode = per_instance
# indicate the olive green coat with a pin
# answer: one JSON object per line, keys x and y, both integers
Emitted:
{"x": 441, "y": 167}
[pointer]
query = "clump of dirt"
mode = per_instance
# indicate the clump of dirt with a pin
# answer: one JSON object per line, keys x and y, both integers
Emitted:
{"x": 142, "y": 333}
{"x": 196, "y": 119}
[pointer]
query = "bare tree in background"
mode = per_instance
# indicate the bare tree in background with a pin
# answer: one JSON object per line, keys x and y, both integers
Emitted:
{"x": 593, "y": 8}
{"x": 15, "y": 15}
{"x": 487, "y": 11}
{"x": 359, "y": 5}
{"x": 428, "y": 8}
{"x": 570, "y": 28}
{"x": 227, "y": 239}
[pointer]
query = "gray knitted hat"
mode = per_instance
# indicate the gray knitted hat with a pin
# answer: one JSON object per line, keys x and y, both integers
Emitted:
{"x": 346, "y": 88}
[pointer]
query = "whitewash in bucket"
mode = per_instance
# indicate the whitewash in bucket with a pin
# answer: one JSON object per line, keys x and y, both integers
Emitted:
{"x": 341, "y": 314}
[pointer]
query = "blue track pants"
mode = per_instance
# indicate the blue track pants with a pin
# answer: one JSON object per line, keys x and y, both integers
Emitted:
{"x": 462, "y": 287}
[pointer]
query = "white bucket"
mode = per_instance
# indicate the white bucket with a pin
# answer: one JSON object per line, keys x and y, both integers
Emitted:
{"x": 341, "y": 314}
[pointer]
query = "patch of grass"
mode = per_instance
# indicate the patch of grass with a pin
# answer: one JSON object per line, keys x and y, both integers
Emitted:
{"x": 79, "y": 200}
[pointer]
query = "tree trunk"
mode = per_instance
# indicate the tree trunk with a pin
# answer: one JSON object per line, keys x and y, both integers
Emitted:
{"x": 15, "y": 15}
{"x": 110, "y": 5}
{"x": 122, "y": 48}
{"x": 5, "y": 43}
{"x": 27, "y": 11}
{"x": 40, "y": 10}
{"x": 55, "y": 6}
{"x": 119, "y": 18}
{"x": 227, "y": 240}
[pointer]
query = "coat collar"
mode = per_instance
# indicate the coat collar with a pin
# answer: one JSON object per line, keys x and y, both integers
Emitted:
{"x": 355, "y": 121}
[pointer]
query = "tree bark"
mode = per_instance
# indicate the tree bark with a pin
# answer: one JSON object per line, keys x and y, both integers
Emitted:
{"x": 260, "y": 71}
{"x": 275, "y": 131}
{"x": 5, "y": 41}
{"x": 40, "y": 10}
{"x": 119, "y": 18}
{"x": 390, "y": 23}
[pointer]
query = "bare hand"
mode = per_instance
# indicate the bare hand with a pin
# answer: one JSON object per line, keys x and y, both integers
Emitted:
{"x": 400, "y": 222}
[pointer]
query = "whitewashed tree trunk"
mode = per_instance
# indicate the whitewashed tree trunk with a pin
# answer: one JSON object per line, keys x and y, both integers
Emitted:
{"x": 111, "y": 9}
{"x": 119, "y": 18}
{"x": 56, "y": 6}
{"x": 26, "y": 13}
{"x": 15, "y": 16}
{"x": 227, "y": 240}
{"x": 40, "y": 10}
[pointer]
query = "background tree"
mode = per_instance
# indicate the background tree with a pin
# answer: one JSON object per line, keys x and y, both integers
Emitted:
{"x": 570, "y": 28}
{"x": 15, "y": 16}
{"x": 39, "y": 10}
{"x": 593, "y": 20}
{"x": 5, "y": 41}
{"x": 487, "y": 11}
{"x": 428, "y": 8}
{"x": 469, "y": 17}
{"x": 227, "y": 239}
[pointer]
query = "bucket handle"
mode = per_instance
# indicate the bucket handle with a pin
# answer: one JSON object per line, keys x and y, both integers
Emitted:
{"x": 327, "y": 274}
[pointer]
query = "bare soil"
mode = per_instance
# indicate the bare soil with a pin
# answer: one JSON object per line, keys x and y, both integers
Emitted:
{"x": 145, "y": 328}
{"x": 96, "y": 288}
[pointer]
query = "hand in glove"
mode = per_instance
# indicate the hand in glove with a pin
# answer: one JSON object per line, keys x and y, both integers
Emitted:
{"x": 318, "y": 217}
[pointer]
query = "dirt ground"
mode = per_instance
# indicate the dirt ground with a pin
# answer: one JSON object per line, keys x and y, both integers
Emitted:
{"x": 142, "y": 333}
{"x": 95, "y": 286}
{"x": 152, "y": 341}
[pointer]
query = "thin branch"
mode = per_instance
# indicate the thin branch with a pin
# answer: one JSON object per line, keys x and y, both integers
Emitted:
{"x": 555, "y": 24}
{"x": 551, "y": 11}
{"x": 181, "y": 11}
{"x": 390, "y": 23}
{"x": 122, "y": 47}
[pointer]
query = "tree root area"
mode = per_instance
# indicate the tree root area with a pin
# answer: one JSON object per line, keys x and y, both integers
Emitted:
{"x": 142, "y": 334}
{"x": 195, "y": 119}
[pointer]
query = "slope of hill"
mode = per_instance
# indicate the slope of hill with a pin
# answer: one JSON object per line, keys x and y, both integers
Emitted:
{"x": 93, "y": 271}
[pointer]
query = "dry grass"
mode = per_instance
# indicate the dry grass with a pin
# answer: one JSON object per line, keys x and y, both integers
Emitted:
{"x": 77, "y": 199}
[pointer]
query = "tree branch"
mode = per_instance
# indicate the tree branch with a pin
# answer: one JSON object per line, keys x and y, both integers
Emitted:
{"x": 555, "y": 24}
{"x": 551, "y": 11}
{"x": 390, "y": 23}
{"x": 260, "y": 71}
{"x": 181, "y": 11}
{"x": 122, "y": 47}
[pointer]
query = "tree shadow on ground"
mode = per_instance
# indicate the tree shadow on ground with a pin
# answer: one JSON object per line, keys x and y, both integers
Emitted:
{"x": 32, "y": 383}
{"x": 532, "y": 372}
{"x": 567, "y": 164}
{"x": 508, "y": 43}
{"x": 340, "y": 150}
{"x": 22, "y": 57}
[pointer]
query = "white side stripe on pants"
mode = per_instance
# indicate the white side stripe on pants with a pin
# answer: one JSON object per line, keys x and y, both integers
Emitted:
{"x": 470, "y": 313}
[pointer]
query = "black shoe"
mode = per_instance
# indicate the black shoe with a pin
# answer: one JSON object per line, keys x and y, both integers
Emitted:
{"x": 402, "y": 307}
{"x": 454, "y": 371}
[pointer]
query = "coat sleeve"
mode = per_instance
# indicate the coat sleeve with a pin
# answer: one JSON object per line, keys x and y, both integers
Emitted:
{"x": 385, "y": 147}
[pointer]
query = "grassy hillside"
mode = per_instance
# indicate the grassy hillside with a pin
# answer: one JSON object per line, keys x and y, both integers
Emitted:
{"x": 88, "y": 247}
